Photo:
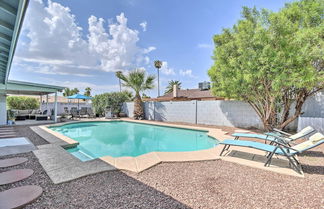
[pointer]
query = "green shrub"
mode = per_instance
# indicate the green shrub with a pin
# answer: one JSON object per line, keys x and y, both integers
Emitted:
{"x": 22, "y": 103}
{"x": 113, "y": 100}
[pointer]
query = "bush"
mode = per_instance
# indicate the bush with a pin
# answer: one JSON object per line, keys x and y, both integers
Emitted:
{"x": 113, "y": 100}
{"x": 22, "y": 103}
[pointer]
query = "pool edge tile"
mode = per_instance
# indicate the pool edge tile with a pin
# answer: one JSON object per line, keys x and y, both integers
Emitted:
{"x": 147, "y": 161}
{"x": 126, "y": 163}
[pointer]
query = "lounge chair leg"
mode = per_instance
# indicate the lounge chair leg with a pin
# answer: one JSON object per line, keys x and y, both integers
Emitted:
{"x": 268, "y": 162}
{"x": 294, "y": 165}
{"x": 224, "y": 149}
{"x": 291, "y": 162}
{"x": 298, "y": 163}
{"x": 268, "y": 155}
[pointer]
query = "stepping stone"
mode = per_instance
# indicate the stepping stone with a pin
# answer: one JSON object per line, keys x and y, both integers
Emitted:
{"x": 14, "y": 142}
{"x": 7, "y": 136}
{"x": 14, "y": 176}
{"x": 20, "y": 196}
{"x": 7, "y": 133}
{"x": 12, "y": 161}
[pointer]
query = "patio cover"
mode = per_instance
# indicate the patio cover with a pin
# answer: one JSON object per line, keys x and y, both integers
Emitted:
{"x": 28, "y": 88}
{"x": 25, "y": 88}
{"x": 12, "y": 14}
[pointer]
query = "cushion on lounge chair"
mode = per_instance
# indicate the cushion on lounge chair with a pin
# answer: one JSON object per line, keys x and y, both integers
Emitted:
{"x": 316, "y": 137}
{"x": 313, "y": 141}
{"x": 302, "y": 133}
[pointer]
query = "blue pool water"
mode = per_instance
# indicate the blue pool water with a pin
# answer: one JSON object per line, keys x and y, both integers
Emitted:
{"x": 119, "y": 138}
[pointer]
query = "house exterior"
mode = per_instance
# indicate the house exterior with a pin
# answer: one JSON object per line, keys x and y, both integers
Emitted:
{"x": 11, "y": 18}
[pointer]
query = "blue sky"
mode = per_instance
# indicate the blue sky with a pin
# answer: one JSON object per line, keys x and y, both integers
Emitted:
{"x": 77, "y": 43}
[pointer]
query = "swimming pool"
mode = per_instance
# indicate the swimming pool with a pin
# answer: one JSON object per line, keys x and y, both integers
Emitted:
{"x": 121, "y": 138}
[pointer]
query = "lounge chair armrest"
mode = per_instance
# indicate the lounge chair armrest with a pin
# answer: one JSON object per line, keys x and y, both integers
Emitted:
{"x": 271, "y": 134}
{"x": 286, "y": 146}
{"x": 282, "y": 132}
{"x": 278, "y": 137}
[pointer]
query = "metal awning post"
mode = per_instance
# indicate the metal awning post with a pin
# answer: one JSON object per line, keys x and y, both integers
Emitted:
{"x": 47, "y": 102}
{"x": 55, "y": 108}
{"x": 40, "y": 102}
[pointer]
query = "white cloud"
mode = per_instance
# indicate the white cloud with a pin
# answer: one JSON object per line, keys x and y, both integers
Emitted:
{"x": 143, "y": 25}
{"x": 186, "y": 73}
{"x": 81, "y": 85}
{"x": 205, "y": 46}
{"x": 53, "y": 41}
{"x": 166, "y": 70}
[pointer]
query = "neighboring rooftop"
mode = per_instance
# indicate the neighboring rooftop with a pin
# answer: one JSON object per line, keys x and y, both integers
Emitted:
{"x": 189, "y": 94}
{"x": 201, "y": 93}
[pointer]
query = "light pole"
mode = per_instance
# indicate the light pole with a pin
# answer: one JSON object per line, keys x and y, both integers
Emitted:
{"x": 118, "y": 73}
{"x": 158, "y": 65}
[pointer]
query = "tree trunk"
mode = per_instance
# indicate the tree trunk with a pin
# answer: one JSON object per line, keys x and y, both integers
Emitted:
{"x": 138, "y": 107}
{"x": 302, "y": 96}
{"x": 266, "y": 113}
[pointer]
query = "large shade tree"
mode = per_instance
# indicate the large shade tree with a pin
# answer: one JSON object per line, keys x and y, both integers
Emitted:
{"x": 273, "y": 61}
{"x": 139, "y": 82}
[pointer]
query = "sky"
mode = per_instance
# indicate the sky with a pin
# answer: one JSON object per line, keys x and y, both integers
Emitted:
{"x": 82, "y": 43}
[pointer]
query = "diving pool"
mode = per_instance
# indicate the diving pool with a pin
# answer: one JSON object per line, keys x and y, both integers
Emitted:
{"x": 121, "y": 138}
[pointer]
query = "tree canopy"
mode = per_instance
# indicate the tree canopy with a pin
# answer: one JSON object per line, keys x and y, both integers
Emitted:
{"x": 22, "y": 103}
{"x": 139, "y": 82}
{"x": 87, "y": 91}
{"x": 171, "y": 83}
{"x": 69, "y": 92}
{"x": 272, "y": 60}
{"x": 113, "y": 100}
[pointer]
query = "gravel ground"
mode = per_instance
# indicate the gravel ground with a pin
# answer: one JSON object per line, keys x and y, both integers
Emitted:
{"x": 208, "y": 184}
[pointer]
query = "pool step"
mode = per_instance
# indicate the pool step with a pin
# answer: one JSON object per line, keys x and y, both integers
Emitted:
{"x": 81, "y": 155}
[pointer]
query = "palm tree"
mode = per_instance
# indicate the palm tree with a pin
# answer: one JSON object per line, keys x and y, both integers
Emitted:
{"x": 74, "y": 91}
{"x": 117, "y": 75}
{"x": 139, "y": 82}
{"x": 67, "y": 92}
{"x": 87, "y": 91}
{"x": 158, "y": 65}
{"x": 169, "y": 88}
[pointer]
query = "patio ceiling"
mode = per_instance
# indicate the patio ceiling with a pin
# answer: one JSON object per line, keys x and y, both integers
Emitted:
{"x": 12, "y": 13}
{"x": 27, "y": 88}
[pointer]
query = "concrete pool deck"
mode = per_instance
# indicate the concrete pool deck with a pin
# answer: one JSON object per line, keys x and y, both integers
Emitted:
{"x": 244, "y": 156}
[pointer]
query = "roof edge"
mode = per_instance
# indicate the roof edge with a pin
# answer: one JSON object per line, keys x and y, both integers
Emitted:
{"x": 35, "y": 84}
{"x": 23, "y": 4}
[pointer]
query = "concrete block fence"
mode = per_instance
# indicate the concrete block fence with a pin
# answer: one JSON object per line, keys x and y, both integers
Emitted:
{"x": 316, "y": 123}
{"x": 226, "y": 113}
{"x": 222, "y": 113}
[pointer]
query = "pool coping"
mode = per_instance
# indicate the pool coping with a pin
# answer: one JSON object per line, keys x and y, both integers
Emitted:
{"x": 240, "y": 155}
{"x": 147, "y": 160}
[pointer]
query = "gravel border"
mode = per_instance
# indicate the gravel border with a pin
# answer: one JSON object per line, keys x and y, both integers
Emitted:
{"x": 208, "y": 184}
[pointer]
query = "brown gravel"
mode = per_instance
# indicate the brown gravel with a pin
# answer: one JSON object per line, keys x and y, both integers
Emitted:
{"x": 208, "y": 184}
